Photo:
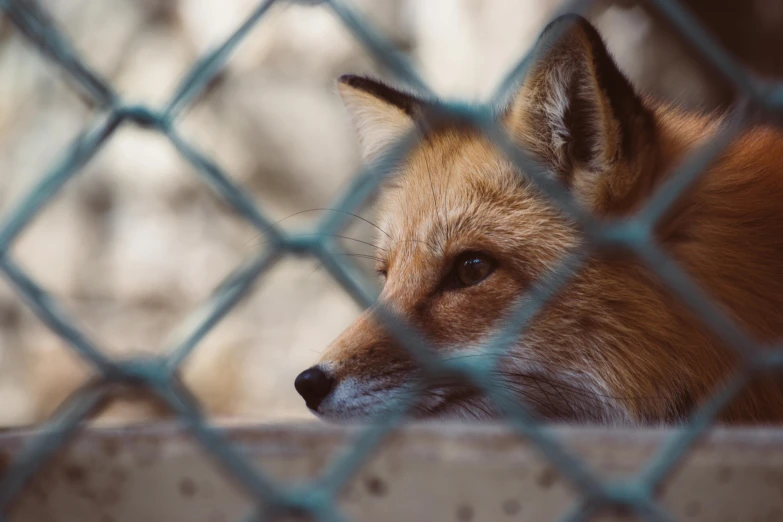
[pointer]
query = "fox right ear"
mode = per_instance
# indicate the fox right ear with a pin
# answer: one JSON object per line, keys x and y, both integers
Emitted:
{"x": 380, "y": 114}
{"x": 581, "y": 115}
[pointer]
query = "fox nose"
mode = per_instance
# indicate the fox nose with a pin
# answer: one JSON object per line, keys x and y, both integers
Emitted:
{"x": 313, "y": 385}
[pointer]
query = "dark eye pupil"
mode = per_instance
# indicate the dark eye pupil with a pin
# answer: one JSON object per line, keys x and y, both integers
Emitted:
{"x": 472, "y": 270}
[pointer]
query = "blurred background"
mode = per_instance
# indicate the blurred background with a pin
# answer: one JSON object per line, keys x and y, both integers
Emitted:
{"x": 137, "y": 241}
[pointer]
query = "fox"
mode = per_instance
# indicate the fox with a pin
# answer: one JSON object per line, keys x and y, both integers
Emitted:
{"x": 464, "y": 236}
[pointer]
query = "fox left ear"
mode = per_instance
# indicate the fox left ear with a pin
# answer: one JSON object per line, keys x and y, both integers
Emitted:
{"x": 380, "y": 114}
{"x": 578, "y": 113}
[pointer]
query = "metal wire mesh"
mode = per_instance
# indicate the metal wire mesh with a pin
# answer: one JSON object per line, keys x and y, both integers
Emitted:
{"x": 317, "y": 498}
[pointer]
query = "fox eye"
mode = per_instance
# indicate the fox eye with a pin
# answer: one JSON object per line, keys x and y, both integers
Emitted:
{"x": 471, "y": 268}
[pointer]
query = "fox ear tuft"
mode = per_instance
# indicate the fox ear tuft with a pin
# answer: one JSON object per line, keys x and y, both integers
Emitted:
{"x": 380, "y": 114}
{"x": 575, "y": 109}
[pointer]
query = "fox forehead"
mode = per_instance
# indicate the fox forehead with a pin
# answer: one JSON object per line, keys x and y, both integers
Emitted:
{"x": 458, "y": 191}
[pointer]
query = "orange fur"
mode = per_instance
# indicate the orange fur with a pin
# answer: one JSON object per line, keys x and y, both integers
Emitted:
{"x": 614, "y": 346}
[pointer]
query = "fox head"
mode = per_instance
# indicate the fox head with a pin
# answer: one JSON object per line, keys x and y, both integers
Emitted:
{"x": 465, "y": 236}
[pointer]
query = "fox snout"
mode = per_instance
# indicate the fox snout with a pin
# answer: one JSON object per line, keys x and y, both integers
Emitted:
{"x": 357, "y": 374}
{"x": 314, "y": 385}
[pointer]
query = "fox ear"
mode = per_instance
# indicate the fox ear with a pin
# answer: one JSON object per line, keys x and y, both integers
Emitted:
{"x": 576, "y": 110}
{"x": 380, "y": 114}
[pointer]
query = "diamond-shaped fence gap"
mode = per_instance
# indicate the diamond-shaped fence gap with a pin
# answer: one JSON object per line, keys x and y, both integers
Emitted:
{"x": 724, "y": 328}
{"x": 212, "y": 62}
{"x": 36, "y": 102}
{"x": 687, "y": 174}
{"x": 343, "y": 270}
{"x": 246, "y": 365}
{"x": 44, "y": 32}
{"x": 650, "y": 50}
{"x": 201, "y": 321}
{"x": 49, "y": 312}
{"x": 275, "y": 123}
{"x": 545, "y": 289}
{"x": 618, "y": 458}
{"x": 286, "y": 142}
{"x": 144, "y": 242}
{"x": 79, "y": 152}
{"x": 44, "y": 370}
{"x": 40, "y": 118}
{"x": 236, "y": 199}
{"x": 361, "y": 240}
{"x": 395, "y": 61}
{"x": 465, "y": 56}
{"x": 366, "y": 186}
{"x": 19, "y": 404}
{"x": 300, "y": 42}
{"x": 50, "y": 367}
{"x": 138, "y": 47}
{"x": 441, "y": 53}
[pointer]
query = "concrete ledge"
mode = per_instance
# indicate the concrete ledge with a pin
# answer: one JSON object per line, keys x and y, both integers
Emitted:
{"x": 430, "y": 472}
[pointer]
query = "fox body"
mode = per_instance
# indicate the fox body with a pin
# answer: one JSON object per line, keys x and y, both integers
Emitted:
{"x": 465, "y": 236}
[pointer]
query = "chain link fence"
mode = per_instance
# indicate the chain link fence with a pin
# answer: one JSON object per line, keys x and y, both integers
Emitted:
{"x": 159, "y": 375}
